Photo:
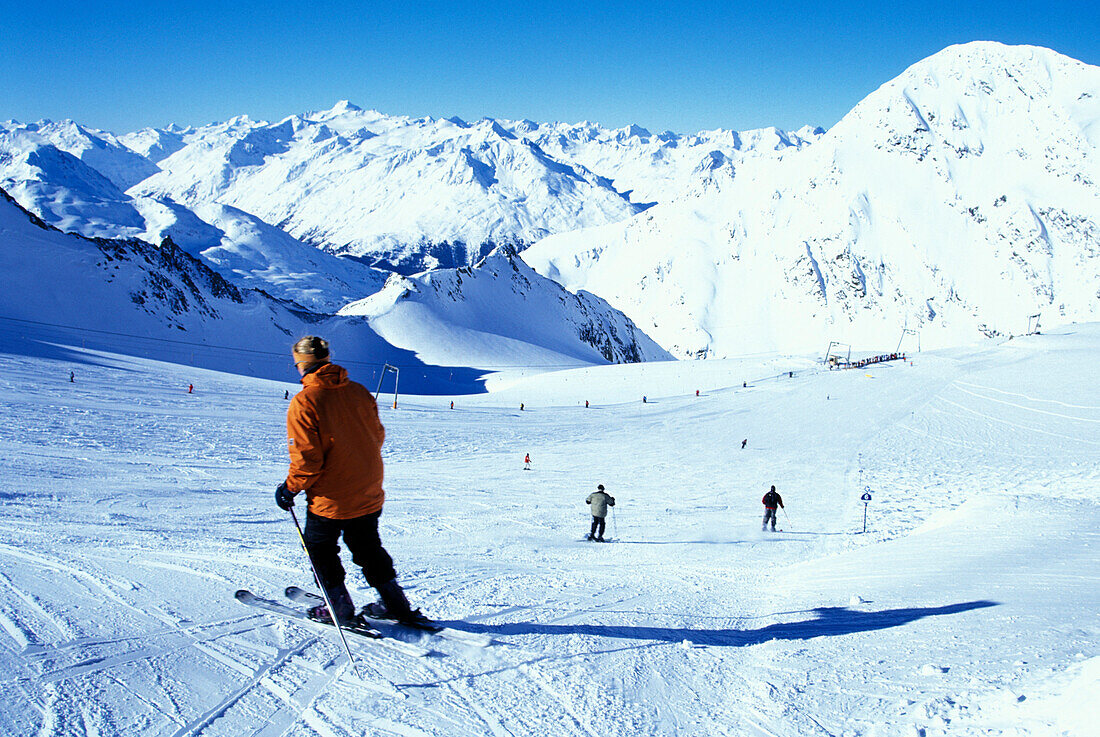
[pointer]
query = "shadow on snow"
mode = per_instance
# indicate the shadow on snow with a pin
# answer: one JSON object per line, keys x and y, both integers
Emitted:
{"x": 827, "y": 622}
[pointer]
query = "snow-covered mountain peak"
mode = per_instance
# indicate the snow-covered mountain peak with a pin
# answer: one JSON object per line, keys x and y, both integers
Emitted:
{"x": 344, "y": 106}
{"x": 500, "y": 308}
{"x": 632, "y": 131}
{"x": 1025, "y": 96}
{"x": 101, "y": 150}
{"x": 156, "y": 144}
{"x": 957, "y": 199}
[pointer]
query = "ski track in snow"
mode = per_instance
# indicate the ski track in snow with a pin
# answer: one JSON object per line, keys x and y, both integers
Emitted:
{"x": 133, "y": 510}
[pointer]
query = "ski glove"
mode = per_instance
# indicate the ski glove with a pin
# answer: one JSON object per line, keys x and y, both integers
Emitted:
{"x": 284, "y": 497}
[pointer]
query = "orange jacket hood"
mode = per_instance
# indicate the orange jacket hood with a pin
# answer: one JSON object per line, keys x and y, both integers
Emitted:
{"x": 328, "y": 376}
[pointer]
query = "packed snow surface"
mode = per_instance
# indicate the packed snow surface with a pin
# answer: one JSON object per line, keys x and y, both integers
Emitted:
{"x": 132, "y": 510}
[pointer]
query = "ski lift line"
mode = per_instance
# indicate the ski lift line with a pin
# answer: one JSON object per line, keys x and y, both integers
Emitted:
{"x": 254, "y": 352}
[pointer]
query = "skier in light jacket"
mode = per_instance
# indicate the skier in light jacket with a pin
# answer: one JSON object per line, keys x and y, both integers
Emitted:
{"x": 599, "y": 501}
{"x": 335, "y": 441}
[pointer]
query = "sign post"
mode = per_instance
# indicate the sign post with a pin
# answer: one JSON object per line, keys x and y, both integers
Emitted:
{"x": 866, "y": 498}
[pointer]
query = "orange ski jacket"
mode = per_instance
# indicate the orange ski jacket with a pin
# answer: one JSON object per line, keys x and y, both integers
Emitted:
{"x": 335, "y": 441}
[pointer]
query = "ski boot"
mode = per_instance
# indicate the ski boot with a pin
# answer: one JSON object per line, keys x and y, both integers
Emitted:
{"x": 345, "y": 609}
{"x": 394, "y": 605}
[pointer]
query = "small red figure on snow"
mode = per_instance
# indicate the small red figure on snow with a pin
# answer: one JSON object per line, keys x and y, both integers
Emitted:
{"x": 696, "y": 392}
{"x": 190, "y": 388}
{"x": 452, "y": 405}
{"x": 586, "y": 404}
{"x": 527, "y": 462}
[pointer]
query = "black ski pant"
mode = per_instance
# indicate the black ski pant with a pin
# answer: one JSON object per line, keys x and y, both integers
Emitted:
{"x": 362, "y": 541}
{"x": 773, "y": 515}
{"x": 598, "y": 523}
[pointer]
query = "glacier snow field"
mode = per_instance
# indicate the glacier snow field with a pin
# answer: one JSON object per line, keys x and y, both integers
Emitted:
{"x": 131, "y": 510}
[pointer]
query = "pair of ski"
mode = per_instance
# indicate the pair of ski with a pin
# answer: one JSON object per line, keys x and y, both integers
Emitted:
{"x": 362, "y": 628}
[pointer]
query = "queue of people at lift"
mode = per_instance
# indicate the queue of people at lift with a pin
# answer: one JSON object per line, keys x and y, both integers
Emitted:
{"x": 837, "y": 362}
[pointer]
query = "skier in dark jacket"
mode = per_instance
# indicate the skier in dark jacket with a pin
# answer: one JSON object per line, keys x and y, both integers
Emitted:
{"x": 771, "y": 499}
{"x": 599, "y": 500}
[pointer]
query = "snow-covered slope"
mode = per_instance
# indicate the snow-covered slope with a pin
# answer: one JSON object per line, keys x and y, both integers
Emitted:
{"x": 160, "y": 301}
{"x": 132, "y": 297}
{"x": 500, "y": 314}
{"x": 132, "y": 510}
{"x": 956, "y": 200}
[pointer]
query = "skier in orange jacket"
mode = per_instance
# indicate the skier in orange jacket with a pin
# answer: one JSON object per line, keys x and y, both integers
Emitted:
{"x": 335, "y": 441}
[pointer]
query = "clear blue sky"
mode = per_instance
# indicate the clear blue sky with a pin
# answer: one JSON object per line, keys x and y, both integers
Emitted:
{"x": 682, "y": 66}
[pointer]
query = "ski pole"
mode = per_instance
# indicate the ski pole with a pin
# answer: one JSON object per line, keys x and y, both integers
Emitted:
{"x": 614, "y": 525}
{"x": 785, "y": 516}
{"x": 324, "y": 592}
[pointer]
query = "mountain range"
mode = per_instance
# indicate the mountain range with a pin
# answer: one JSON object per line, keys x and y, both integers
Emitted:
{"x": 952, "y": 204}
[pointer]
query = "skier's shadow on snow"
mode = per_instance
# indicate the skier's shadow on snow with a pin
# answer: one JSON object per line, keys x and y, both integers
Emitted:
{"x": 827, "y": 622}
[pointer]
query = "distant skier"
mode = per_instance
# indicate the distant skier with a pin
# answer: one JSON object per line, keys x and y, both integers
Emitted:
{"x": 599, "y": 500}
{"x": 586, "y": 404}
{"x": 644, "y": 400}
{"x": 286, "y": 394}
{"x": 696, "y": 392}
{"x": 527, "y": 462}
{"x": 72, "y": 377}
{"x": 521, "y": 406}
{"x": 452, "y": 405}
{"x": 770, "y": 500}
{"x": 335, "y": 440}
{"x": 744, "y": 443}
{"x": 190, "y": 388}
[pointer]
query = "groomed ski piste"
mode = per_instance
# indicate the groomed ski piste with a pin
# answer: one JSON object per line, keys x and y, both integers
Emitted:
{"x": 131, "y": 511}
